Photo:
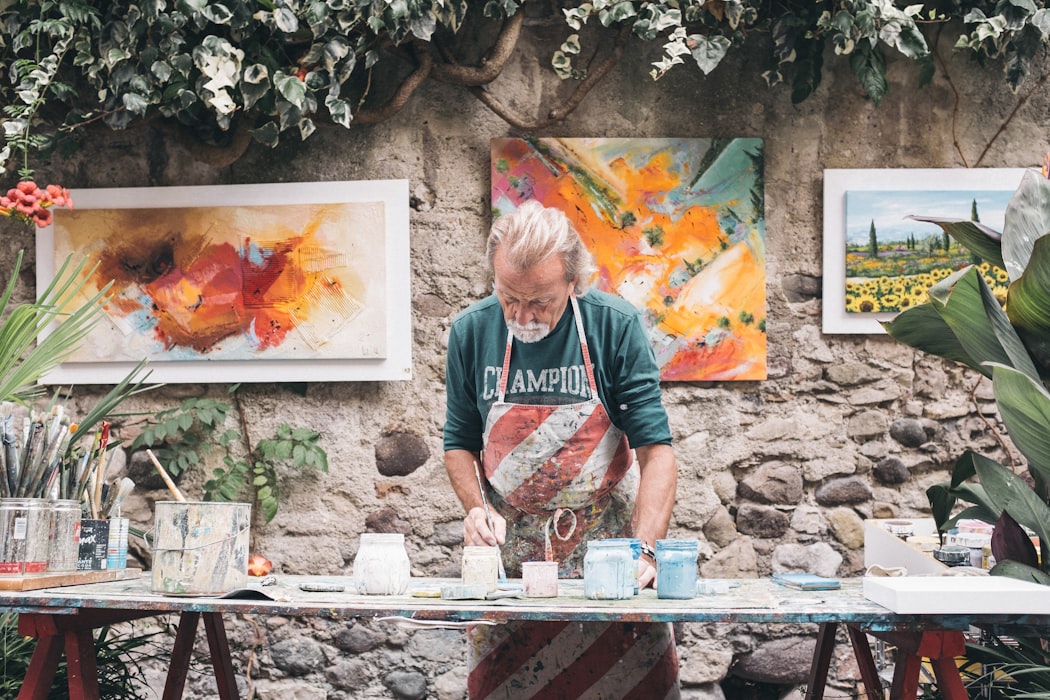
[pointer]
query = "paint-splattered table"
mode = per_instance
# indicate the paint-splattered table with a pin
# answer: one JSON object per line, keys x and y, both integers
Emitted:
{"x": 64, "y": 618}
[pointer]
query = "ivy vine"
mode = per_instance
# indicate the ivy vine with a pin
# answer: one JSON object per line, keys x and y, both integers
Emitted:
{"x": 228, "y": 71}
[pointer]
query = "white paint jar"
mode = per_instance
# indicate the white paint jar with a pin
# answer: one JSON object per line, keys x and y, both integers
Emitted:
{"x": 381, "y": 566}
{"x": 481, "y": 566}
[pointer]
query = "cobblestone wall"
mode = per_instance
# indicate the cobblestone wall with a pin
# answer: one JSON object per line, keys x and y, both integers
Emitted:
{"x": 775, "y": 475}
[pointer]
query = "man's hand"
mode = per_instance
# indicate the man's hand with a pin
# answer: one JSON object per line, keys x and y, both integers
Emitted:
{"x": 476, "y": 530}
{"x": 646, "y": 572}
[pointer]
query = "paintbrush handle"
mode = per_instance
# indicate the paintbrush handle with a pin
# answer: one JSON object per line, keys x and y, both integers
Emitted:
{"x": 164, "y": 475}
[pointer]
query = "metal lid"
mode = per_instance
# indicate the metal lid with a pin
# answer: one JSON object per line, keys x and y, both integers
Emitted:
{"x": 952, "y": 555}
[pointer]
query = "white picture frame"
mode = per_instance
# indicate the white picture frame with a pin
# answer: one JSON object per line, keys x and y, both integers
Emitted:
{"x": 940, "y": 183}
{"x": 370, "y": 337}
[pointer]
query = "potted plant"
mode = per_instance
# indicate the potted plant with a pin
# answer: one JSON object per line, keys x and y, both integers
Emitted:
{"x": 1010, "y": 344}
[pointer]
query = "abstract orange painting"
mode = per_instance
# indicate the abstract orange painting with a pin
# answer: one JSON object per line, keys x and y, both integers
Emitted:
{"x": 677, "y": 227}
{"x": 266, "y": 277}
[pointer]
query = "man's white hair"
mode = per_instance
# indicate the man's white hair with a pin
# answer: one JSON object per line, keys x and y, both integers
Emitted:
{"x": 533, "y": 234}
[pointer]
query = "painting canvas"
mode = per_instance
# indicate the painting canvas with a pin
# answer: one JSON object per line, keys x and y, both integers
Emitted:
{"x": 295, "y": 282}
{"x": 677, "y": 228}
{"x": 878, "y": 262}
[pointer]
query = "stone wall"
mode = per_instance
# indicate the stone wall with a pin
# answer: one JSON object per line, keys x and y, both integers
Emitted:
{"x": 775, "y": 475}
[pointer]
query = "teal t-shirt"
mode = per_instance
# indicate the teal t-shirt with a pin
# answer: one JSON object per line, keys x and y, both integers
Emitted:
{"x": 551, "y": 371}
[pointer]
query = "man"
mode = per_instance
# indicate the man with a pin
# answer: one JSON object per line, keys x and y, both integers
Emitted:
{"x": 550, "y": 386}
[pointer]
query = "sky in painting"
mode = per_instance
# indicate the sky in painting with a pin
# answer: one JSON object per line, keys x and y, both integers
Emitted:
{"x": 888, "y": 209}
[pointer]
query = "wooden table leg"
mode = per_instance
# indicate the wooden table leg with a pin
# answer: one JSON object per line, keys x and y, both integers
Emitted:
{"x": 180, "y": 656}
{"x": 940, "y": 647}
{"x": 220, "y": 656}
{"x": 41, "y": 672}
{"x": 869, "y": 674}
{"x": 818, "y": 671}
{"x": 218, "y": 645}
{"x": 82, "y": 665}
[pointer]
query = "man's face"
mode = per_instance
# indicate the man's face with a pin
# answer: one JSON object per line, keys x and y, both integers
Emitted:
{"x": 533, "y": 300}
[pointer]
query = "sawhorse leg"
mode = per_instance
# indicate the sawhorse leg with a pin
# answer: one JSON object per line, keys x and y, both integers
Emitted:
{"x": 74, "y": 634}
{"x": 218, "y": 646}
{"x": 818, "y": 672}
{"x": 940, "y": 647}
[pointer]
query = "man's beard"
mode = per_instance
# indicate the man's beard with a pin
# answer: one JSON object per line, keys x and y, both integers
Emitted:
{"x": 530, "y": 332}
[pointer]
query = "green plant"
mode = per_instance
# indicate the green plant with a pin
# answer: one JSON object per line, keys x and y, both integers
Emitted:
{"x": 963, "y": 321}
{"x": 224, "y": 70}
{"x": 120, "y": 658}
{"x": 184, "y": 435}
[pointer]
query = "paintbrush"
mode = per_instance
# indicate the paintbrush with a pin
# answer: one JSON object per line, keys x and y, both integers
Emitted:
{"x": 164, "y": 475}
{"x": 118, "y": 491}
{"x": 488, "y": 517}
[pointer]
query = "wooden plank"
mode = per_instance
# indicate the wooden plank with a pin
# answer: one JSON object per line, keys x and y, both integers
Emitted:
{"x": 54, "y": 579}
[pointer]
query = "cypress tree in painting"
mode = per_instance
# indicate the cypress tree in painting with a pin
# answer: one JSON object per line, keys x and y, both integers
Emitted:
{"x": 873, "y": 242}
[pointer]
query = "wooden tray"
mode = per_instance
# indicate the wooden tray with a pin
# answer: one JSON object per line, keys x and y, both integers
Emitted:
{"x": 53, "y": 579}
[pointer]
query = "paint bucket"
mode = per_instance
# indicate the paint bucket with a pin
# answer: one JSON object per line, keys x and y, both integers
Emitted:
{"x": 200, "y": 548}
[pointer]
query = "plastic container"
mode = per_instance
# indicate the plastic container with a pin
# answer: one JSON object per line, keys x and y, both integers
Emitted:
{"x": 606, "y": 570}
{"x": 381, "y": 566}
{"x": 676, "y": 568}
{"x": 481, "y": 566}
{"x": 65, "y": 535}
{"x": 25, "y": 536}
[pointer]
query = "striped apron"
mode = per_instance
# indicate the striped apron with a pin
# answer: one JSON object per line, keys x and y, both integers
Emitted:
{"x": 539, "y": 458}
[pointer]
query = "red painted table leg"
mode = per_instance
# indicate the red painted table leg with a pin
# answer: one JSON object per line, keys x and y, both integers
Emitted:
{"x": 41, "y": 673}
{"x": 82, "y": 665}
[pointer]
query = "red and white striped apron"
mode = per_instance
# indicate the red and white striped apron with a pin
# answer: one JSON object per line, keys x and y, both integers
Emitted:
{"x": 539, "y": 458}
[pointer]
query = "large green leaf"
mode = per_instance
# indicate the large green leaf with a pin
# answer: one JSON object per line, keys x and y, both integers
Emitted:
{"x": 1019, "y": 571}
{"x": 1025, "y": 406}
{"x": 963, "y": 322}
{"x": 1011, "y": 493}
{"x": 1027, "y": 219}
{"x": 983, "y": 240}
{"x": 1028, "y": 304}
{"x": 922, "y": 328}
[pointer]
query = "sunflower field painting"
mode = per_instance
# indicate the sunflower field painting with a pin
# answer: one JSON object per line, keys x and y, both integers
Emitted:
{"x": 677, "y": 227}
{"x": 891, "y": 260}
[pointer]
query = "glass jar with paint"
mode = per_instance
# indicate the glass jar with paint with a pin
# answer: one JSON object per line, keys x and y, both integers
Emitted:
{"x": 481, "y": 566}
{"x": 636, "y": 553}
{"x": 606, "y": 568}
{"x": 381, "y": 566}
{"x": 676, "y": 568}
{"x": 65, "y": 535}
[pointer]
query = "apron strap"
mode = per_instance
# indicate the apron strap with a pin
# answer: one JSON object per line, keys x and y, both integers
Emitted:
{"x": 583, "y": 348}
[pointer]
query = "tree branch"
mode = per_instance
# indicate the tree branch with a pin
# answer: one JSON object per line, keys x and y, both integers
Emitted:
{"x": 491, "y": 65}
{"x": 400, "y": 98}
{"x": 558, "y": 114}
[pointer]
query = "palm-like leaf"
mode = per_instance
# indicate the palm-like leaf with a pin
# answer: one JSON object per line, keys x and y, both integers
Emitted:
{"x": 23, "y": 363}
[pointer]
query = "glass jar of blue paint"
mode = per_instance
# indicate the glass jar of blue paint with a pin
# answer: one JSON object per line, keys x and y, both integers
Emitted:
{"x": 636, "y": 553}
{"x": 606, "y": 568}
{"x": 676, "y": 568}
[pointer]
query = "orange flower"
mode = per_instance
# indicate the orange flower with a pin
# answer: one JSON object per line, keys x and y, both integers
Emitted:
{"x": 31, "y": 205}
